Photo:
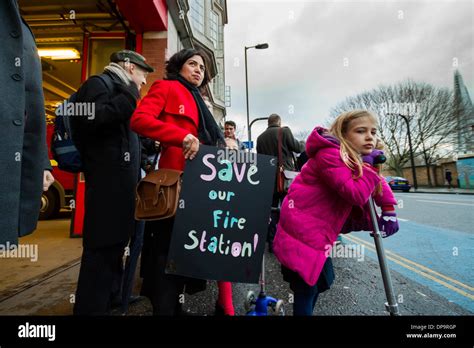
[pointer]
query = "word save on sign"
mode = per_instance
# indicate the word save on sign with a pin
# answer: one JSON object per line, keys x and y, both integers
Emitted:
{"x": 221, "y": 224}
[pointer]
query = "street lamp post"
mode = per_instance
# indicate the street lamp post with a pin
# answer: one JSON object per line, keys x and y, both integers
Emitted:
{"x": 412, "y": 160}
{"x": 251, "y": 124}
{"x": 258, "y": 47}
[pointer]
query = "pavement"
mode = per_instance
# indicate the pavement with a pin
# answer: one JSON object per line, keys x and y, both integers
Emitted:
{"x": 42, "y": 285}
{"x": 53, "y": 248}
{"x": 357, "y": 290}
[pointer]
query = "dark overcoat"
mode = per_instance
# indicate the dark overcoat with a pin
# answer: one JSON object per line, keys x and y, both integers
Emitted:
{"x": 110, "y": 152}
{"x": 23, "y": 151}
{"x": 267, "y": 144}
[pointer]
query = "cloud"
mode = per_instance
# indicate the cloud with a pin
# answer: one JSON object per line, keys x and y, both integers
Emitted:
{"x": 324, "y": 51}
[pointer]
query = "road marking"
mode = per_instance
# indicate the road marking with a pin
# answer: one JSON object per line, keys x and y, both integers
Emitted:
{"x": 402, "y": 219}
{"x": 420, "y": 272}
{"x": 424, "y": 268}
{"x": 424, "y": 195}
{"x": 444, "y": 202}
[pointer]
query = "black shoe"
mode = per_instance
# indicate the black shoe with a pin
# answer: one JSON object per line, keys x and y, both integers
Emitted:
{"x": 116, "y": 302}
{"x": 134, "y": 299}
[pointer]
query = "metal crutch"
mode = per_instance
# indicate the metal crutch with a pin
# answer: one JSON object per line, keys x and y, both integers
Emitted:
{"x": 391, "y": 305}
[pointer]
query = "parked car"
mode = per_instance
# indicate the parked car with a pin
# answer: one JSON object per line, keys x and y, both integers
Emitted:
{"x": 398, "y": 183}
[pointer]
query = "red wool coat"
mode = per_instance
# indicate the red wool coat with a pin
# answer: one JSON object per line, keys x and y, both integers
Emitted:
{"x": 167, "y": 113}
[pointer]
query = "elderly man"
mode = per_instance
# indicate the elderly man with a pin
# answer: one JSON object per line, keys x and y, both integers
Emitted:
{"x": 110, "y": 152}
{"x": 24, "y": 169}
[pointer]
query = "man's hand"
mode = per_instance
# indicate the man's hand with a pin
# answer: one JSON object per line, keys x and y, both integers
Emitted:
{"x": 48, "y": 180}
{"x": 148, "y": 168}
{"x": 157, "y": 146}
{"x": 190, "y": 146}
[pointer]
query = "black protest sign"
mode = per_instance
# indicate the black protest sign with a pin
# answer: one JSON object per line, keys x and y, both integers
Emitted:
{"x": 221, "y": 223}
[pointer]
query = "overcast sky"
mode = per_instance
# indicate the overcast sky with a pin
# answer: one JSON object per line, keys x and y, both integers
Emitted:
{"x": 302, "y": 75}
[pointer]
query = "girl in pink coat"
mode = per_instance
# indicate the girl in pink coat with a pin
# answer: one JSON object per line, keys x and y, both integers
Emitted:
{"x": 338, "y": 177}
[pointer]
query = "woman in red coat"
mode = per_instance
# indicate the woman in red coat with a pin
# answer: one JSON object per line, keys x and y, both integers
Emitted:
{"x": 173, "y": 113}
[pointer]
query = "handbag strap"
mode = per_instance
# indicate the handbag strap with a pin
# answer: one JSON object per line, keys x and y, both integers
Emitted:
{"x": 155, "y": 160}
{"x": 280, "y": 156}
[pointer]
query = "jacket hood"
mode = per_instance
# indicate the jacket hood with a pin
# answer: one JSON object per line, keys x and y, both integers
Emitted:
{"x": 318, "y": 139}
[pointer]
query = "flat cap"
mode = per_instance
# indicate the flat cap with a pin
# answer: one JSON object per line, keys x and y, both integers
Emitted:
{"x": 132, "y": 57}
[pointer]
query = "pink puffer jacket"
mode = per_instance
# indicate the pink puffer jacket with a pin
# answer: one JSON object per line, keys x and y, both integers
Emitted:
{"x": 318, "y": 203}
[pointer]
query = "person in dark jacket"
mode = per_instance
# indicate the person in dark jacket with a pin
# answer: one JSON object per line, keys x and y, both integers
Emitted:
{"x": 267, "y": 144}
{"x": 302, "y": 158}
{"x": 25, "y": 167}
{"x": 111, "y": 158}
{"x": 449, "y": 178}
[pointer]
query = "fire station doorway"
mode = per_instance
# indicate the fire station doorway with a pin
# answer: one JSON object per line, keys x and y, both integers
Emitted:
{"x": 74, "y": 40}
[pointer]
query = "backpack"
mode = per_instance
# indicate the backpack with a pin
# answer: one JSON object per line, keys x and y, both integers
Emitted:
{"x": 63, "y": 148}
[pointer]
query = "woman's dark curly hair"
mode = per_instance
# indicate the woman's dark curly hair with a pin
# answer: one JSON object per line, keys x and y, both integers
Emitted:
{"x": 177, "y": 60}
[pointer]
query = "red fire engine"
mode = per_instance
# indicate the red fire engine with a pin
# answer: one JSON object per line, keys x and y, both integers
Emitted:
{"x": 60, "y": 195}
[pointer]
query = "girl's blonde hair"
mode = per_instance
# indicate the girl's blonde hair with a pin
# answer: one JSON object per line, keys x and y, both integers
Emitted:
{"x": 339, "y": 129}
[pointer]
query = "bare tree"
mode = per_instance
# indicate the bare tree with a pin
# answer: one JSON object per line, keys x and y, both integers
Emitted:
{"x": 302, "y": 135}
{"x": 437, "y": 128}
{"x": 429, "y": 111}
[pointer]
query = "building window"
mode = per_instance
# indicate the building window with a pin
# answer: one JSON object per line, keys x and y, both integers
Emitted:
{"x": 218, "y": 83}
{"x": 214, "y": 28}
{"x": 197, "y": 14}
{"x": 221, "y": 37}
{"x": 217, "y": 86}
